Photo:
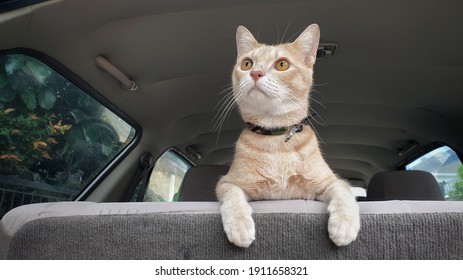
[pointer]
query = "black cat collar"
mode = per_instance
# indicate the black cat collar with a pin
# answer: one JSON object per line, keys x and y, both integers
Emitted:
{"x": 289, "y": 131}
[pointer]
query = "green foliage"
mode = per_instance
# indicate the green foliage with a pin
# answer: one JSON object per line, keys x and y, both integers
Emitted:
{"x": 48, "y": 126}
{"x": 46, "y": 99}
{"x": 30, "y": 99}
{"x": 7, "y": 93}
{"x": 3, "y": 81}
{"x": 457, "y": 192}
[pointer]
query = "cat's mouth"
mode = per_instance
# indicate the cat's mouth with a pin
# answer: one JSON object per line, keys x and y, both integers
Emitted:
{"x": 256, "y": 90}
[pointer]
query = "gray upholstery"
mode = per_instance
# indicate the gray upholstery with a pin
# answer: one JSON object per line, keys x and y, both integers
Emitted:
{"x": 295, "y": 229}
{"x": 404, "y": 185}
{"x": 200, "y": 181}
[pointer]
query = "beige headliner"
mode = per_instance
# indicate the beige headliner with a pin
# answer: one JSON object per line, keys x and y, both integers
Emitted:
{"x": 396, "y": 78}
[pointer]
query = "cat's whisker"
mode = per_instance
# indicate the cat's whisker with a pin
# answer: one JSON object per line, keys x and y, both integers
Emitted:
{"x": 221, "y": 104}
{"x": 316, "y": 131}
{"x": 316, "y": 101}
{"x": 228, "y": 104}
{"x": 320, "y": 85}
{"x": 286, "y": 30}
{"x": 223, "y": 112}
{"x": 231, "y": 104}
{"x": 314, "y": 90}
{"x": 226, "y": 92}
{"x": 294, "y": 35}
{"x": 317, "y": 115}
{"x": 225, "y": 103}
{"x": 221, "y": 121}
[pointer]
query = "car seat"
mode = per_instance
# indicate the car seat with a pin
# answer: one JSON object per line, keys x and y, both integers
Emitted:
{"x": 200, "y": 181}
{"x": 404, "y": 185}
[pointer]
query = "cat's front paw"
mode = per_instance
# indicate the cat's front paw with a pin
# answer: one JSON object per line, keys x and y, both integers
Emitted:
{"x": 344, "y": 225}
{"x": 239, "y": 226}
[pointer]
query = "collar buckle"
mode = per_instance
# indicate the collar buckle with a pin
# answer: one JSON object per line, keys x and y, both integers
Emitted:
{"x": 295, "y": 128}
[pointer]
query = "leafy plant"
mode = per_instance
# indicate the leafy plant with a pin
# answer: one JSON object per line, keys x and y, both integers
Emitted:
{"x": 457, "y": 192}
{"x": 27, "y": 131}
{"x": 50, "y": 130}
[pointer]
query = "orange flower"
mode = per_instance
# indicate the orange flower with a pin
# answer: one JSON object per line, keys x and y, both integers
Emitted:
{"x": 9, "y": 110}
{"x": 39, "y": 143}
{"x": 59, "y": 127}
{"x": 46, "y": 155}
{"x": 15, "y": 131}
{"x": 52, "y": 140}
{"x": 10, "y": 156}
{"x": 33, "y": 117}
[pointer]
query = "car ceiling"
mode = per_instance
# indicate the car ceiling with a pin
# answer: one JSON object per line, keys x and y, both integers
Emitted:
{"x": 396, "y": 78}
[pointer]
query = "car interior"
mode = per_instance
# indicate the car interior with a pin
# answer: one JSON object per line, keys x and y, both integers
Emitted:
{"x": 155, "y": 130}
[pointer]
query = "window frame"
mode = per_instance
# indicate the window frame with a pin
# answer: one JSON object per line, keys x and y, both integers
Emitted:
{"x": 17, "y": 4}
{"x": 179, "y": 154}
{"x": 427, "y": 149}
{"x": 176, "y": 152}
{"x": 59, "y": 68}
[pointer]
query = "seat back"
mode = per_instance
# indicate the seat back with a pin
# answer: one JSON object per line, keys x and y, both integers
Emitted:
{"x": 200, "y": 181}
{"x": 290, "y": 229}
{"x": 404, "y": 185}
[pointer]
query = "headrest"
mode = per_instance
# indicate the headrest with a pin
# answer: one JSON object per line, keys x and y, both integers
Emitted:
{"x": 200, "y": 181}
{"x": 404, "y": 185}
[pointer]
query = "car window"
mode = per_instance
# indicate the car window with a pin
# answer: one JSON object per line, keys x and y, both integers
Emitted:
{"x": 166, "y": 178}
{"x": 446, "y": 167}
{"x": 54, "y": 137}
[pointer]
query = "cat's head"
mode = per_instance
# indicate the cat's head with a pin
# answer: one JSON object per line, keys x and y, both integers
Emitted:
{"x": 271, "y": 84}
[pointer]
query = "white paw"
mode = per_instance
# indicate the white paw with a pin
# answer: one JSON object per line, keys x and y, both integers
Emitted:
{"x": 344, "y": 224}
{"x": 239, "y": 225}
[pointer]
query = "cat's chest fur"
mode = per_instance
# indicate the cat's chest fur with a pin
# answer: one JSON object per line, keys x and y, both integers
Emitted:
{"x": 271, "y": 168}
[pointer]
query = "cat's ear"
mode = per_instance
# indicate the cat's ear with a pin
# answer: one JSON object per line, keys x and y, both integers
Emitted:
{"x": 245, "y": 41}
{"x": 307, "y": 43}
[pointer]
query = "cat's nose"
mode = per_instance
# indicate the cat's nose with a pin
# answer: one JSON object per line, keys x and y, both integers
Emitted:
{"x": 256, "y": 75}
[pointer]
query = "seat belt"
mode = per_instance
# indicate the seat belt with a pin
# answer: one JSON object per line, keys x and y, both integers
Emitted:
{"x": 141, "y": 175}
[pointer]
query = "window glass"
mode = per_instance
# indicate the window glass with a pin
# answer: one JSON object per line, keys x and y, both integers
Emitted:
{"x": 166, "y": 178}
{"x": 54, "y": 138}
{"x": 446, "y": 167}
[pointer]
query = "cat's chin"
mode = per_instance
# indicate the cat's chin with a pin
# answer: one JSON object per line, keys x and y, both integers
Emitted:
{"x": 270, "y": 113}
{"x": 257, "y": 93}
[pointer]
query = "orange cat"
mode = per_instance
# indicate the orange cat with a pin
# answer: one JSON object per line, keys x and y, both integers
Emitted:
{"x": 277, "y": 156}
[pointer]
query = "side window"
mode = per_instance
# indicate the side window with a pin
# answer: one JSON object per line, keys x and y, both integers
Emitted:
{"x": 446, "y": 167}
{"x": 166, "y": 178}
{"x": 54, "y": 137}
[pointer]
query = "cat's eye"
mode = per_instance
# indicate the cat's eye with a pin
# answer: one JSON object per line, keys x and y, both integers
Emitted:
{"x": 246, "y": 64}
{"x": 282, "y": 65}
